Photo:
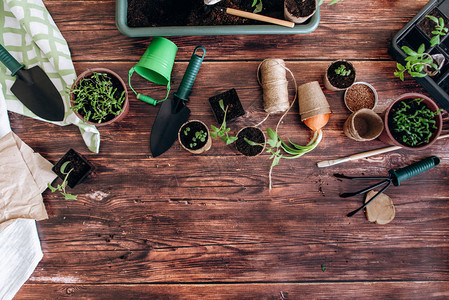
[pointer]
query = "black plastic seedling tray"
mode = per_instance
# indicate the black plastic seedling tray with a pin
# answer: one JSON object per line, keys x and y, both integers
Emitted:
{"x": 413, "y": 36}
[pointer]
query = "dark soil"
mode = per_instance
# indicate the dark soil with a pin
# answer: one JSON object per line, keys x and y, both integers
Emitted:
{"x": 427, "y": 25}
{"x": 150, "y": 13}
{"x": 231, "y": 101}
{"x": 81, "y": 168}
{"x": 359, "y": 96}
{"x": 414, "y": 107}
{"x": 188, "y": 138}
{"x": 253, "y": 134}
{"x": 337, "y": 80}
{"x": 300, "y": 8}
{"x": 119, "y": 90}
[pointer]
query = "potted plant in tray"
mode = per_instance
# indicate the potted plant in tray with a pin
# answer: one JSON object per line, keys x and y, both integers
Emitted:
{"x": 99, "y": 97}
{"x": 194, "y": 136}
{"x": 339, "y": 75}
{"x": 413, "y": 121}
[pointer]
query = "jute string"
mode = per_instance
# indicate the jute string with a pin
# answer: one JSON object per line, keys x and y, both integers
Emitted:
{"x": 275, "y": 91}
{"x": 275, "y": 87}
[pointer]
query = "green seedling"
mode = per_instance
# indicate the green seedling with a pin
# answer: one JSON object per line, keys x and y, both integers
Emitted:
{"x": 341, "y": 70}
{"x": 416, "y": 61}
{"x": 439, "y": 31}
{"x": 258, "y": 6}
{"x": 95, "y": 98}
{"x": 222, "y": 132}
{"x": 186, "y": 130}
{"x": 276, "y": 145}
{"x": 199, "y": 136}
{"x": 61, "y": 187}
{"x": 416, "y": 124}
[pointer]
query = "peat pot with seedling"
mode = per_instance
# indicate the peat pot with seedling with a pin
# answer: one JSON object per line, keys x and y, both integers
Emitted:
{"x": 339, "y": 75}
{"x": 99, "y": 97}
{"x": 194, "y": 136}
{"x": 413, "y": 121}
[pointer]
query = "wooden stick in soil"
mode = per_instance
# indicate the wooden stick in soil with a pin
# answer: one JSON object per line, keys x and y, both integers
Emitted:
{"x": 252, "y": 16}
{"x": 328, "y": 163}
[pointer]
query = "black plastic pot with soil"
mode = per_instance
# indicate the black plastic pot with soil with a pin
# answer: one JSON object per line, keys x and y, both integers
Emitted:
{"x": 80, "y": 165}
{"x": 231, "y": 102}
{"x": 419, "y": 31}
{"x": 253, "y": 134}
{"x": 339, "y": 76}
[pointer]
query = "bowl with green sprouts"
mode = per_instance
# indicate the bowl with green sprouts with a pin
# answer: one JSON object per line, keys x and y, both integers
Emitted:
{"x": 99, "y": 97}
{"x": 413, "y": 121}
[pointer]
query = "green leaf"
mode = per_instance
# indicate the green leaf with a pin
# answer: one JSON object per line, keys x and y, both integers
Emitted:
{"x": 435, "y": 40}
{"x": 408, "y": 51}
{"x": 400, "y": 67}
{"x": 64, "y": 166}
{"x": 231, "y": 140}
{"x": 52, "y": 189}
{"x": 214, "y": 128}
{"x": 432, "y": 18}
{"x": 213, "y": 134}
{"x": 334, "y": 1}
{"x": 251, "y": 143}
{"x": 421, "y": 49}
{"x": 69, "y": 196}
{"x": 221, "y": 103}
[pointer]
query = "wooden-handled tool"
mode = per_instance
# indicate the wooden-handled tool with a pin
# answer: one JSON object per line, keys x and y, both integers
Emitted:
{"x": 328, "y": 163}
{"x": 257, "y": 17}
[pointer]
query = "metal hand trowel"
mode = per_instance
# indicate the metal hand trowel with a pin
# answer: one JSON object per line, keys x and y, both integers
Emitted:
{"x": 34, "y": 89}
{"x": 174, "y": 112}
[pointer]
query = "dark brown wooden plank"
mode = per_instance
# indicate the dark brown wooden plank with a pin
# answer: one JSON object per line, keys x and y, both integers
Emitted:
{"x": 378, "y": 290}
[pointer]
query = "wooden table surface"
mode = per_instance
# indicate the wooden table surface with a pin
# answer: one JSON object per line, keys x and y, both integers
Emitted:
{"x": 206, "y": 226}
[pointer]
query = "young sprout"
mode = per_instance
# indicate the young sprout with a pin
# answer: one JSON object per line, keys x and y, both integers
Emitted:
{"x": 341, "y": 70}
{"x": 416, "y": 61}
{"x": 186, "y": 130}
{"x": 415, "y": 125}
{"x": 222, "y": 132}
{"x": 199, "y": 136}
{"x": 258, "y": 6}
{"x": 61, "y": 187}
{"x": 276, "y": 144}
{"x": 439, "y": 31}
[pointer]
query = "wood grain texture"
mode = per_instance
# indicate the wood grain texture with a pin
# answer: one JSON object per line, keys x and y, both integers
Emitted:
{"x": 192, "y": 227}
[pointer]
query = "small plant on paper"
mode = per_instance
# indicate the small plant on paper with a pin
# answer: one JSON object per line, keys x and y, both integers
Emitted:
{"x": 61, "y": 187}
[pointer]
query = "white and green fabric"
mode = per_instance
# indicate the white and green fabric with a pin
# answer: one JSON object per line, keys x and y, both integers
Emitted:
{"x": 31, "y": 36}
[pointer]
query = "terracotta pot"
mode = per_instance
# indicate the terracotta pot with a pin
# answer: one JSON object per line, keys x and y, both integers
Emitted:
{"x": 113, "y": 74}
{"x": 387, "y": 136}
{"x": 329, "y": 85}
{"x": 205, "y": 147}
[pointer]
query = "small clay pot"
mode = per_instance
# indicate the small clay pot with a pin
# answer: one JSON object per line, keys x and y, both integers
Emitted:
{"x": 363, "y": 125}
{"x": 253, "y": 134}
{"x": 387, "y": 136}
{"x": 297, "y": 14}
{"x": 360, "y": 95}
{"x": 115, "y": 77}
{"x": 335, "y": 82}
{"x": 80, "y": 165}
{"x": 187, "y": 132}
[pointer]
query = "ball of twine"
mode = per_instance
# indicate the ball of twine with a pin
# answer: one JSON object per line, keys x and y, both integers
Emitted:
{"x": 274, "y": 84}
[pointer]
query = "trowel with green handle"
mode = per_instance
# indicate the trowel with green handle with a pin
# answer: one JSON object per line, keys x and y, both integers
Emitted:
{"x": 34, "y": 89}
{"x": 174, "y": 112}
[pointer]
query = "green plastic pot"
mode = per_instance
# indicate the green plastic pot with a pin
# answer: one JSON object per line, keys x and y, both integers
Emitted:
{"x": 121, "y": 12}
